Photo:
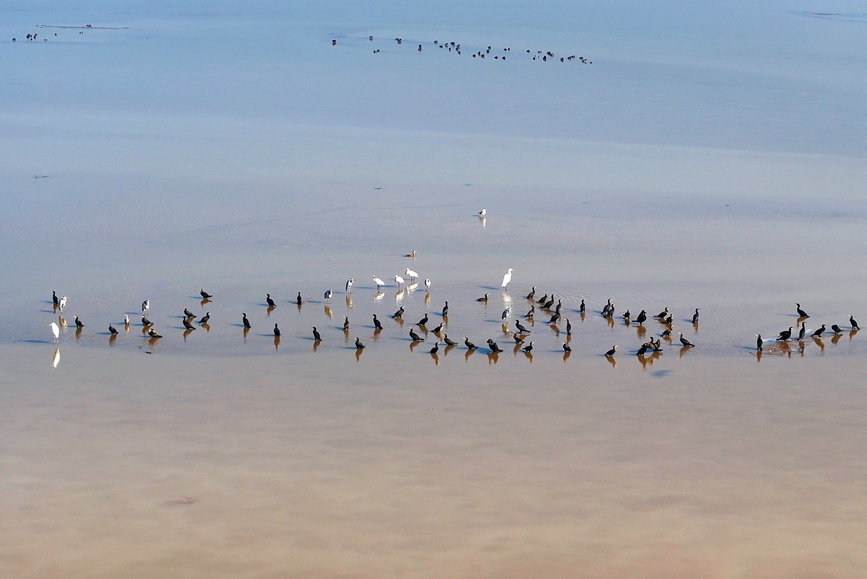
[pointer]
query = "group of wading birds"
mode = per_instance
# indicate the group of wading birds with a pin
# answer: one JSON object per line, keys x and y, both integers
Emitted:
{"x": 548, "y": 306}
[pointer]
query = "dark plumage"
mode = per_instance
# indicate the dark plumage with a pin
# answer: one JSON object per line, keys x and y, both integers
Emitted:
{"x": 399, "y": 313}
{"x": 188, "y": 325}
{"x": 483, "y": 298}
{"x": 376, "y": 323}
{"x": 358, "y": 344}
{"x": 801, "y": 313}
{"x": 853, "y": 323}
{"x": 528, "y": 347}
{"x": 153, "y": 334}
{"x": 422, "y": 321}
{"x": 435, "y": 349}
{"x": 695, "y": 316}
{"x": 245, "y": 321}
{"x": 448, "y": 341}
{"x": 78, "y": 323}
{"x": 612, "y": 351}
{"x": 468, "y": 344}
{"x": 686, "y": 343}
{"x": 205, "y": 295}
{"x": 836, "y": 329}
{"x": 345, "y": 323}
{"x": 276, "y": 330}
{"x": 818, "y": 333}
{"x": 112, "y": 330}
{"x": 759, "y": 342}
{"x": 642, "y": 317}
{"x": 567, "y": 347}
{"x": 205, "y": 318}
{"x": 269, "y": 301}
{"x": 415, "y": 337}
{"x": 316, "y": 335}
{"x": 188, "y": 314}
{"x": 521, "y": 327}
{"x": 446, "y": 309}
{"x": 785, "y": 334}
{"x": 298, "y": 299}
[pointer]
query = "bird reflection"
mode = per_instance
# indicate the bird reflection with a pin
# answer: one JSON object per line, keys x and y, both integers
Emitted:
{"x": 820, "y": 343}
{"x": 316, "y": 345}
{"x": 348, "y": 301}
{"x": 269, "y": 310}
{"x": 493, "y": 358}
{"x": 611, "y": 361}
{"x": 358, "y": 353}
{"x": 758, "y": 356}
{"x": 328, "y": 311}
{"x": 55, "y": 359}
{"x": 276, "y": 342}
{"x": 187, "y": 333}
{"x": 435, "y": 358}
{"x": 112, "y": 339}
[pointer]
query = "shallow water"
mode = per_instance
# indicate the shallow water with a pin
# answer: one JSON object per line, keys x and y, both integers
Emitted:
{"x": 713, "y": 160}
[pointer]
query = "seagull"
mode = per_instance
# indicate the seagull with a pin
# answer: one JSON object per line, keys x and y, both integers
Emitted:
{"x": 376, "y": 323}
{"x": 145, "y": 305}
{"x": 153, "y": 334}
{"x": 853, "y": 323}
{"x": 55, "y": 329}
{"x": 245, "y": 321}
{"x": 759, "y": 342}
{"x": 801, "y": 313}
{"x": 328, "y": 293}
{"x": 412, "y": 275}
{"x": 379, "y": 283}
{"x": 188, "y": 325}
{"x": 276, "y": 331}
{"x": 205, "y": 318}
{"x": 612, "y": 351}
{"x": 316, "y": 335}
{"x": 269, "y": 301}
{"x": 506, "y": 279}
{"x": 686, "y": 343}
{"x": 358, "y": 344}
{"x": 415, "y": 337}
{"x": 468, "y": 344}
{"x": 205, "y": 295}
{"x": 349, "y": 283}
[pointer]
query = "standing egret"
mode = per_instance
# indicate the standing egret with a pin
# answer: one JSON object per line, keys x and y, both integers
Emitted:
{"x": 349, "y": 283}
{"x": 61, "y": 304}
{"x": 379, "y": 283}
{"x": 398, "y": 280}
{"x": 506, "y": 279}
{"x": 412, "y": 275}
{"x": 55, "y": 329}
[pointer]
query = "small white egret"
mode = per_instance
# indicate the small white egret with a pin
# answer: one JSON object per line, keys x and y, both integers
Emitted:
{"x": 55, "y": 329}
{"x": 412, "y": 275}
{"x": 61, "y": 304}
{"x": 507, "y": 278}
{"x": 379, "y": 283}
{"x": 145, "y": 306}
{"x": 398, "y": 280}
{"x": 349, "y": 283}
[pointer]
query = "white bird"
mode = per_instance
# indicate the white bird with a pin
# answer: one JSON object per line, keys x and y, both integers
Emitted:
{"x": 379, "y": 283}
{"x": 62, "y": 304}
{"x": 427, "y": 283}
{"x": 483, "y": 212}
{"x": 349, "y": 283}
{"x": 126, "y": 321}
{"x": 145, "y": 306}
{"x": 328, "y": 294}
{"x": 507, "y": 278}
{"x": 412, "y": 275}
{"x": 55, "y": 329}
{"x": 398, "y": 280}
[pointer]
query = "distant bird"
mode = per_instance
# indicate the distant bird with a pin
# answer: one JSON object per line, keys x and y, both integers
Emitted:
{"x": 448, "y": 341}
{"x": 423, "y": 321}
{"x": 568, "y": 327}
{"x": 532, "y": 293}
{"x": 54, "y": 298}
{"x": 427, "y": 283}
{"x": 436, "y": 348}
{"x": 567, "y": 347}
{"x": 398, "y": 280}
{"x": 666, "y": 332}
{"x": 550, "y": 302}
{"x": 411, "y": 254}
{"x": 531, "y": 312}
{"x": 542, "y": 300}
{"x": 145, "y": 305}
{"x": 818, "y": 333}
{"x": 468, "y": 344}
{"x": 554, "y": 319}
{"x": 802, "y": 331}
{"x": 358, "y": 344}
{"x": 376, "y": 323}
{"x": 685, "y": 342}
{"x": 642, "y": 350}
{"x": 446, "y": 309}
{"x": 836, "y": 329}
{"x": 245, "y": 321}
{"x": 55, "y": 330}
{"x": 276, "y": 330}
{"x": 153, "y": 333}
{"x": 398, "y": 314}
{"x": 663, "y": 314}
{"x": 519, "y": 339}
{"x": 205, "y": 295}
{"x": 506, "y": 279}
{"x": 316, "y": 335}
{"x": 146, "y": 322}
{"x": 188, "y": 313}
{"x": 505, "y": 313}
{"x": 269, "y": 301}
{"x": 298, "y": 299}
{"x": 78, "y": 323}
{"x": 438, "y": 329}
{"x": 482, "y": 213}
{"x": 695, "y": 316}
{"x": 126, "y": 321}
{"x": 612, "y": 351}
{"x": 521, "y": 327}
{"x": 642, "y": 317}
{"x": 188, "y": 325}
{"x": 759, "y": 342}
{"x": 415, "y": 337}
{"x": 801, "y": 313}
{"x": 328, "y": 293}
{"x": 785, "y": 334}
{"x": 345, "y": 323}
{"x": 61, "y": 304}
{"x": 493, "y": 346}
{"x": 412, "y": 275}
{"x": 379, "y": 283}
{"x": 528, "y": 347}
{"x": 483, "y": 299}
{"x": 349, "y": 283}
{"x": 582, "y": 308}
{"x": 205, "y": 318}
{"x": 853, "y": 323}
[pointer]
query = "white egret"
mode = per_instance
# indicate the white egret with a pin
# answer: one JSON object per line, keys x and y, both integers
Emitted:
{"x": 507, "y": 278}
{"x": 398, "y": 280}
{"x": 412, "y": 275}
{"x": 55, "y": 329}
{"x": 61, "y": 304}
{"x": 379, "y": 283}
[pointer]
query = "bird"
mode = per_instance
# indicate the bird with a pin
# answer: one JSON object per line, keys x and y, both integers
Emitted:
{"x": 506, "y": 279}
{"x": 446, "y": 309}
{"x": 532, "y": 293}
{"x": 612, "y": 351}
{"x": 298, "y": 299}
{"x": 145, "y": 305}
{"x": 550, "y": 302}
{"x": 519, "y": 339}
{"x": 785, "y": 334}
{"x": 505, "y": 313}
{"x": 582, "y": 308}
{"x": 376, "y": 323}
{"x": 642, "y": 317}
{"x": 78, "y": 323}
{"x": 468, "y": 344}
{"x": 423, "y": 321}
{"x": 642, "y": 350}
{"x": 269, "y": 301}
{"x": 349, "y": 283}
{"x": 853, "y": 323}
{"x": 205, "y": 295}
{"x": 205, "y": 318}
{"x": 568, "y": 327}
{"x": 345, "y": 323}
{"x": 836, "y": 329}
{"x": 483, "y": 298}
{"x": 145, "y": 321}
{"x": 818, "y": 333}
{"x": 61, "y": 304}
{"x": 398, "y": 314}
{"x": 153, "y": 333}
{"x": 328, "y": 293}
{"x": 379, "y": 283}
{"x": 126, "y": 321}
{"x": 493, "y": 346}
{"x": 528, "y": 347}
{"x": 188, "y": 325}
{"x": 448, "y": 341}
{"x": 55, "y": 329}
{"x": 316, "y": 335}
{"x": 567, "y": 347}
{"x": 415, "y": 337}
{"x": 412, "y": 275}
{"x": 411, "y": 254}
{"x": 802, "y": 331}
{"x": 521, "y": 327}
{"x": 427, "y": 283}
{"x": 482, "y": 213}
{"x": 663, "y": 314}
{"x": 188, "y": 313}
{"x": 436, "y": 348}
{"x": 554, "y": 318}
{"x": 398, "y": 280}
{"x": 801, "y": 313}
{"x": 759, "y": 342}
{"x": 55, "y": 300}
{"x": 276, "y": 330}
{"x": 695, "y": 316}
{"x": 358, "y": 344}
{"x": 686, "y": 343}
{"x": 438, "y": 329}
{"x": 245, "y": 321}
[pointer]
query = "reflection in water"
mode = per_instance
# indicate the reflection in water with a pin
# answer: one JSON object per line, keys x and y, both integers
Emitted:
{"x": 78, "y": 332}
{"x": 112, "y": 339}
{"x": 469, "y": 353}
{"x": 276, "y": 343}
{"x": 269, "y": 310}
{"x": 358, "y": 353}
{"x": 529, "y": 356}
{"x": 187, "y": 333}
{"x": 566, "y": 355}
{"x": 55, "y": 358}
{"x": 207, "y": 326}
{"x": 246, "y": 331}
{"x": 820, "y": 343}
{"x": 436, "y": 358}
{"x": 348, "y": 301}
{"x": 611, "y": 361}
{"x": 204, "y": 302}
{"x": 493, "y": 358}
{"x": 758, "y": 356}
{"x": 328, "y": 311}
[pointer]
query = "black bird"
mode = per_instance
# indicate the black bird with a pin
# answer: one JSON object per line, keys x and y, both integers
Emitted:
{"x": 276, "y": 330}
{"x": 642, "y": 350}
{"x": 818, "y": 333}
{"x": 612, "y": 351}
{"x": 519, "y": 339}
{"x": 657, "y": 345}
{"x": 666, "y": 332}
{"x": 436, "y": 348}
{"x": 112, "y": 330}
{"x": 205, "y": 318}
{"x": 530, "y": 313}
{"x": 188, "y": 313}
{"x": 801, "y": 313}
{"x": 316, "y": 336}
{"x": 415, "y": 337}
{"x": 446, "y": 309}
{"x": 468, "y": 344}
{"x": 549, "y": 303}
{"x": 245, "y": 321}
{"x": 626, "y": 316}
{"x": 376, "y": 323}
{"x": 398, "y": 314}
{"x": 78, "y": 323}
{"x": 146, "y": 322}
{"x": 663, "y": 314}
{"x": 582, "y": 307}
{"x": 153, "y": 334}
{"x": 269, "y": 301}
{"x": 669, "y": 320}
{"x": 528, "y": 347}
{"x": 554, "y": 318}
{"x": 448, "y": 341}
{"x": 785, "y": 334}
{"x": 188, "y": 325}
{"x": 685, "y": 342}
{"x": 205, "y": 295}
{"x": 559, "y": 306}
{"x": 438, "y": 329}
{"x": 54, "y": 298}
{"x": 542, "y": 299}
{"x": 567, "y": 347}
{"x": 695, "y": 316}
{"x": 423, "y": 321}
{"x": 568, "y": 327}
{"x": 345, "y": 323}
{"x": 802, "y": 332}
{"x": 298, "y": 299}
{"x": 532, "y": 293}
{"x": 506, "y": 313}
{"x": 493, "y": 346}
{"x": 853, "y": 323}
{"x": 759, "y": 342}
{"x": 836, "y": 329}
{"x": 642, "y": 317}
{"x": 483, "y": 299}
{"x": 358, "y": 344}
{"x": 521, "y": 327}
